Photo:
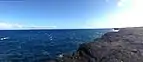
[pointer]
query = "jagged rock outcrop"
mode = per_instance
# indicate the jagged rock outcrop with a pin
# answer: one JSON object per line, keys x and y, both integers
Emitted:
{"x": 123, "y": 46}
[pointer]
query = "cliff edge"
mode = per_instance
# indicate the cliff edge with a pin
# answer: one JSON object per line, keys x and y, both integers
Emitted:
{"x": 123, "y": 46}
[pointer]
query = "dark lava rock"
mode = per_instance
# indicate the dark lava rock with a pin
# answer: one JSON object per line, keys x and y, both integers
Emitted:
{"x": 123, "y": 46}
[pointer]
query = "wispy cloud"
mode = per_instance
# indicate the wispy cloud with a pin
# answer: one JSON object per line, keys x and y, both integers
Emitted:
{"x": 41, "y": 27}
{"x": 9, "y": 26}
{"x": 4, "y": 25}
{"x": 120, "y": 3}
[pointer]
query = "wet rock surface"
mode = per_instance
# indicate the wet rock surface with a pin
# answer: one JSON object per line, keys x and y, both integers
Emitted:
{"x": 123, "y": 46}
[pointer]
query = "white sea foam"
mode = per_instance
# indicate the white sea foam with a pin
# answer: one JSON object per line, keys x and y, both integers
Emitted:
{"x": 115, "y": 30}
{"x": 61, "y": 55}
{"x": 4, "y": 38}
{"x": 51, "y": 38}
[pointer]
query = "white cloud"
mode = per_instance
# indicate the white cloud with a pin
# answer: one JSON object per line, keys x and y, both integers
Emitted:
{"x": 121, "y": 3}
{"x": 10, "y": 26}
{"x": 13, "y": 26}
{"x": 41, "y": 27}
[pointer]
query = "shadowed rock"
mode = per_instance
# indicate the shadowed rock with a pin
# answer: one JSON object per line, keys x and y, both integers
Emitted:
{"x": 123, "y": 46}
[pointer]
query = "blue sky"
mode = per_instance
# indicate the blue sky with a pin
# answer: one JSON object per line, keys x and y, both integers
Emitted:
{"x": 62, "y": 14}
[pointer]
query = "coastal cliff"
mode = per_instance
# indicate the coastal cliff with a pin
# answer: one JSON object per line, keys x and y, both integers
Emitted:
{"x": 123, "y": 46}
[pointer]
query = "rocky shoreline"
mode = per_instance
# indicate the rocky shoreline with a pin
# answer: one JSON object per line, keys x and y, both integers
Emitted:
{"x": 123, "y": 46}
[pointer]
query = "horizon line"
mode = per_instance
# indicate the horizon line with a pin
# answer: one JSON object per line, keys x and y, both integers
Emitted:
{"x": 58, "y": 29}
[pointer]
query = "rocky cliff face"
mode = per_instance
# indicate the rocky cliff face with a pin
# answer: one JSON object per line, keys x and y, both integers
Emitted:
{"x": 123, "y": 46}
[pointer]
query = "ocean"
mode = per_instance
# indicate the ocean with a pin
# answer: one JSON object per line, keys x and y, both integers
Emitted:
{"x": 40, "y": 45}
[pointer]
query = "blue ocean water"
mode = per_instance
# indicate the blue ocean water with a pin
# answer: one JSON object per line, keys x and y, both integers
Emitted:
{"x": 36, "y": 45}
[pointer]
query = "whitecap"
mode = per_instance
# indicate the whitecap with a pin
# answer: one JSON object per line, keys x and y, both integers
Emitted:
{"x": 60, "y": 56}
{"x": 4, "y": 38}
{"x": 51, "y": 38}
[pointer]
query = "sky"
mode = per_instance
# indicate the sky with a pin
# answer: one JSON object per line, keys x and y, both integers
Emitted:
{"x": 70, "y": 14}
